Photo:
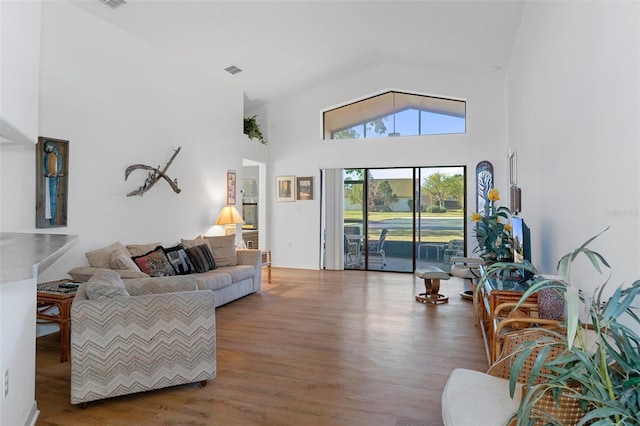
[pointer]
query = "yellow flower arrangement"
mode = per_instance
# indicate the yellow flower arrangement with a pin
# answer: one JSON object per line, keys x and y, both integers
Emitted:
{"x": 476, "y": 217}
{"x": 494, "y": 237}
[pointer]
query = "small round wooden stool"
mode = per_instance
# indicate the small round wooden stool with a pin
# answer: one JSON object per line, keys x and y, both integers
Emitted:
{"x": 432, "y": 277}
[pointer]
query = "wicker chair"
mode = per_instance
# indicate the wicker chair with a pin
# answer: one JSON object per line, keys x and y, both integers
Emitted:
{"x": 505, "y": 322}
{"x": 471, "y": 396}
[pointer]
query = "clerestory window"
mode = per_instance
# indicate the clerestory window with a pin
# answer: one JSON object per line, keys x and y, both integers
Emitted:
{"x": 395, "y": 114}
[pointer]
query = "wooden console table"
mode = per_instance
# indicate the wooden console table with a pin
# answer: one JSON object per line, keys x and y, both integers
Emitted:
{"x": 50, "y": 296}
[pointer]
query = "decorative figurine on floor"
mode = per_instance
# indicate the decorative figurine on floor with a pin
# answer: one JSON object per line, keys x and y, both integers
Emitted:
{"x": 154, "y": 175}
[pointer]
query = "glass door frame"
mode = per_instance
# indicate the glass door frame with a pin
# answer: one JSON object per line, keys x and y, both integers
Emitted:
{"x": 416, "y": 215}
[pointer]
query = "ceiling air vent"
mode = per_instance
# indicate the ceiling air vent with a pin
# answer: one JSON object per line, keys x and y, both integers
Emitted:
{"x": 233, "y": 70}
{"x": 113, "y": 4}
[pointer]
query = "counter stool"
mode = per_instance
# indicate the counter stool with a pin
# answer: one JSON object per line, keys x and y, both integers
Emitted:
{"x": 432, "y": 277}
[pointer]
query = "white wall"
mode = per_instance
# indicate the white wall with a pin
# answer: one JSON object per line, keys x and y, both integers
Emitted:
{"x": 120, "y": 102}
{"x": 20, "y": 39}
{"x": 297, "y": 148}
{"x": 573, "y": 108}
{"x": 17, "y": 352}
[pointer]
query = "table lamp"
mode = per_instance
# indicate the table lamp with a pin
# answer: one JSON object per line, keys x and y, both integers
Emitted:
{"x": 229, "y": 217}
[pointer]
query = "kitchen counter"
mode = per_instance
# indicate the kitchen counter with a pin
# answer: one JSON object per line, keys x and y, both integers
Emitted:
{"x": 25, "y": 255}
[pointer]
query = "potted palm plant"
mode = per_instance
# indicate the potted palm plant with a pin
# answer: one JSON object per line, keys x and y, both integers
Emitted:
{"x": 599, "y": 365}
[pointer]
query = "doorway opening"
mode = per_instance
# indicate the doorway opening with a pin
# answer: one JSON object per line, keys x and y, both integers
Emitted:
{"x": 254, "y": 208}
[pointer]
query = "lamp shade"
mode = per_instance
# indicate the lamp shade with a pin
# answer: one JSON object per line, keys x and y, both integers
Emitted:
{"x": 229, "y": 216}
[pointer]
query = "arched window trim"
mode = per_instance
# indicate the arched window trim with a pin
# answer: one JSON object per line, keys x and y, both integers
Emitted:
{"x": 385, "y": 104}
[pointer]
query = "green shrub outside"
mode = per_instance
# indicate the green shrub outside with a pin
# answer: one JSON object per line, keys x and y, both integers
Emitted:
{"x": 436, "y": 209}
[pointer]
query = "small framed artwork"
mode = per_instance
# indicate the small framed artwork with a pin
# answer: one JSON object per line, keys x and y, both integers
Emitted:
{"x": 231, "y": 187}
{"x": 285, "y": 188}
{"x": 305, "y": 188}
{"x": 52, "y": 177}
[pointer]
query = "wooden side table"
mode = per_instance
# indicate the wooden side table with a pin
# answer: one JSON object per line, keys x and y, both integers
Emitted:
{"x": 266, "y": 261}
{"x": 51, "y": 295}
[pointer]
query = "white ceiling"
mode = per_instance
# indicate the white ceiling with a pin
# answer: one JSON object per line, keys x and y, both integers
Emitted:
{"x": 284, "y": 47}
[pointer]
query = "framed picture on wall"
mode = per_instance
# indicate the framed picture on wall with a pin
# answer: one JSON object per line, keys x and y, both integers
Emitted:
{"x": 285, "y": 188}
{"x": 305, "y": 188}
{"x": 231, "y": 187}
{"x": 52, "y": 171}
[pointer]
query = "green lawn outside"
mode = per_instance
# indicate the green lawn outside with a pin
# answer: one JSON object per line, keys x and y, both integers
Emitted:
{"x": 351, "y": 216}
{"x": 406, "y": 234}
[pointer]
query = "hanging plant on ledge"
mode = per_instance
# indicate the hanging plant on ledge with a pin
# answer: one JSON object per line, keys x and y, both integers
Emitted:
{"x": 252, "y": 129}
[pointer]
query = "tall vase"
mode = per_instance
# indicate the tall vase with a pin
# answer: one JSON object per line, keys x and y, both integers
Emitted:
{"x": 550, "y": 304}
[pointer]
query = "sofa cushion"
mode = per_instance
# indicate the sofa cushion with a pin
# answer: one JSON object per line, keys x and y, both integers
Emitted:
{"x": 223, "y": 249}
{"x": 121, "y": 259}
{"x": 155, "y": 263}
{"x": 179, "y": 260}
{"x": 114, "y": 256}
{"x": 193, "y": 243}
{"x": 240, "y": 272}
{"x": 105, "y": 283}
{"x": 201, "y": 258}
{"x": 84, "y": 273}
{"x": 213, "y": 280}
{"x": 109, "y": 276}
{"x": 141, "y": 249}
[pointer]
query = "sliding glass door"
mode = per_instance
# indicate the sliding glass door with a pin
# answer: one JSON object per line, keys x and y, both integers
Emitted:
{"x": 440, "y": 216}
{"x": 397, "y": 219}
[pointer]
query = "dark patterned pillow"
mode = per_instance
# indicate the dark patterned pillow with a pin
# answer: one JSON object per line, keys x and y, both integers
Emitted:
{"x": 179, "y": 259}
{"x": 201, "y": 258}
{"x": 155, "y": 263}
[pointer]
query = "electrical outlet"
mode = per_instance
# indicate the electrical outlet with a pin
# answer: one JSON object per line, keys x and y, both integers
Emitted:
{"x": 6, "y": 383}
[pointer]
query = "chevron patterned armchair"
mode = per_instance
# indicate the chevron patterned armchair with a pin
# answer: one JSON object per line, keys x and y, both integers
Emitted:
{"x": 140, "y": 334}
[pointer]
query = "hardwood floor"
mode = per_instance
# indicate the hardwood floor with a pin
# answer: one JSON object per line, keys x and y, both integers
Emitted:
{"x": 313, "y": 348}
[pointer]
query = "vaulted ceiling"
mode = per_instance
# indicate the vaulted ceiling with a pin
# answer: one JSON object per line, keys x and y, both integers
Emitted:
{"x": 284, "y": 47}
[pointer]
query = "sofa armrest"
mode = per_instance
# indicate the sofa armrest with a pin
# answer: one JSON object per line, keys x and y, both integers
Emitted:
{"x": 84, "y": 273}
{"x": 160, "y": 285}
{"x": 252, "y": 257}
{"x": 249, "y": 257}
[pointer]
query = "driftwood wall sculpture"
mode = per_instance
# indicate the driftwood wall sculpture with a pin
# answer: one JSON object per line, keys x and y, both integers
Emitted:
{"x": 154, "y": 175}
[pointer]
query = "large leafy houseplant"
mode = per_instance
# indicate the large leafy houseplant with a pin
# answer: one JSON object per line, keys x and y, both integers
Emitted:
{"x": 493, "y": 230}
{"x": 599, "y": 365}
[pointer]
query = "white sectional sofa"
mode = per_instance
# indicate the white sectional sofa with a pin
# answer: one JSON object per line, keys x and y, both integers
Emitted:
{"x": 237, "y": 272}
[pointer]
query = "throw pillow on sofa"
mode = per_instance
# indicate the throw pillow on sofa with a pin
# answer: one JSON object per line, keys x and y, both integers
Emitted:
{"x": 155, "y": 263}
{"x": 195, "y": 242}
{"x": 179, "y": 259}
{"x": 201, "y": 258}
{"x": 141, "y": 249}
{"x": 105, "y": 284}
{"x": 114, "y": 256}
{"x": 223, "y": 249}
